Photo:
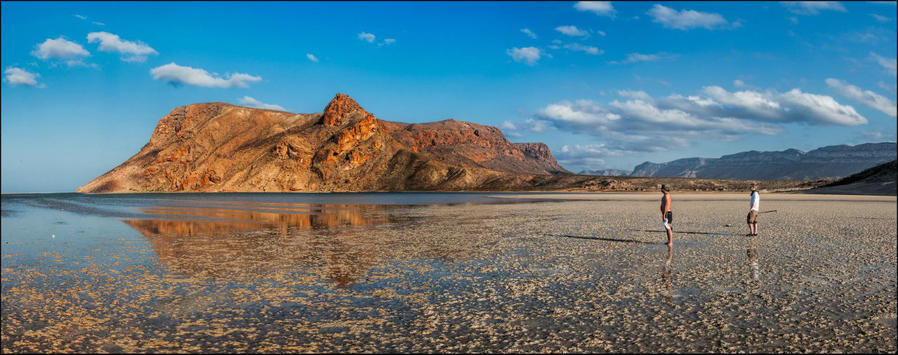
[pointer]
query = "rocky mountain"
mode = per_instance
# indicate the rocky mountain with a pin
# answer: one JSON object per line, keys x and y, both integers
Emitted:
{"x": 606, "y": 172}
{"x": 826, "y": 162}
{"x": 878, "y": 180}
{"x": 471, "y": 144}
{"x": 541, "y": 156}
{"x": 220, "y": 147}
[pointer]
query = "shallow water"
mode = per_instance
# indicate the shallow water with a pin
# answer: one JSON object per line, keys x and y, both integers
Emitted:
{"x": 441, "y": 272}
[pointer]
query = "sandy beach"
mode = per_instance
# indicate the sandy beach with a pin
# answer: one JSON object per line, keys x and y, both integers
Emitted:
{"x": 573, "y": 273}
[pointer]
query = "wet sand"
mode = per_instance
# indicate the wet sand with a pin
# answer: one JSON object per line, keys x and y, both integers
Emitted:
{"x": 577, "y": 273}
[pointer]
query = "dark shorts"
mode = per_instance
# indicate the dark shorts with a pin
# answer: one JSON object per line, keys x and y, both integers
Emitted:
{"x": 669, "y": 216}
{"x": 752, "y": 217}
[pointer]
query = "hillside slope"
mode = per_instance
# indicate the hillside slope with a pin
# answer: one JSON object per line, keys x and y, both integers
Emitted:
{"x": 878, "y": 180}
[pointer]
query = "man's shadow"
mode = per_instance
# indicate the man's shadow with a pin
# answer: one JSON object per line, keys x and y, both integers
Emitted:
{"x": 610, "y": 239}
{"x": 680, "y": 232}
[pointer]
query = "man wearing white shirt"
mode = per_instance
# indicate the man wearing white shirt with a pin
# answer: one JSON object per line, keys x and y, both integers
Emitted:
{"x": 755, "y": 206}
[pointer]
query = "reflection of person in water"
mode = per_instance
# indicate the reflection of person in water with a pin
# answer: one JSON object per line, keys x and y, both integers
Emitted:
{"x": 667, "y": 273}
{"x": 753, "y": 261}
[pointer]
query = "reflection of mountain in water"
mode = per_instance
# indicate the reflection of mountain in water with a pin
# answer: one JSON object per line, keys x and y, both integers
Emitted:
{"x": 234, "y": 216}
{"x": 239, "y": 241}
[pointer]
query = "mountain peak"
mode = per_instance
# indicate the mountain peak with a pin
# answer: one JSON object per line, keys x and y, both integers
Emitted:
{"x": 217, "y": 147}
{"x": 341, "y": 109}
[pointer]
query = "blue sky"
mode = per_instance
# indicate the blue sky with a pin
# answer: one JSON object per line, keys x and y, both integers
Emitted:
{"x": 604, "y": 84}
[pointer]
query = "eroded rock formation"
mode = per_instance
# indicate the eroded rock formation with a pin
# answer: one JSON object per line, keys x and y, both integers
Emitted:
{"x": 220, "y": 147}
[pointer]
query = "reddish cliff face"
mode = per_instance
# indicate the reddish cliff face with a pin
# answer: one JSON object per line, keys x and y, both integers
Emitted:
{"x": 341, "y": 110}
{"x": 221, "y": 147}
{"x": 470, "y": 144}
{"x": 539, "y": 153}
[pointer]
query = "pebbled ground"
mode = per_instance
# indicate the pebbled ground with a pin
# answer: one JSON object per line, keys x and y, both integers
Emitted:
{"x": 555, "y": 276}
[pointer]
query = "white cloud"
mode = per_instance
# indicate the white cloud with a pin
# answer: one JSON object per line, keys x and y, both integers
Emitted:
{"x": 571, "y": 30}
{"x": 675, "y": 119}
{"x": 881, "y": 18}
{"x": 639, "y": 57}
{"x": 61, "y": 49}
{"x": 17, "y": 76}
{"x": 528, "y": 55}
{"x": 251, "y": 102}
{"x": 743, "y": 103}
{"x": 184, "y": 75}
{"x": 82, "y": 17}
{"x": 641, "y": 123}
{"x": 623, "y": 133}
{"x": 791, "y": 106}
{"x": 528, "y": 32}
{"x": 589, "y": 155}
{"x": 508, "y": 125}
{"x": 738, "y": 83}
{"x": 370, "y": 38}
{"x": 685, "y": 19}
{"x": 866, "y": 97}
{"x": 642, "y": 95}
{"x": 638, "y": 125}
{"x": 131, "y": 51}
{"x": 603, "y": 8}
{"x": 513, "y": 129}
{"x": 820, "y": 109}
{"x": 601, "y": 33}
{"x": 812, "y": 7}
{"x": 579, "y": 112}
{"x": 581, "y": 48}
{"x": 312, "y": 57}
{"x": 892, "y": 88}
{"x": 536, "y": 125}
{"x": 365, "y": 36}
{"x": 889, "y": 64}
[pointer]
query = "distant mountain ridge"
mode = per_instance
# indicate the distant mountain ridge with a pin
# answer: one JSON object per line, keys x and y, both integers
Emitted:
{"x": 606, "y": 172}
{"x": 791, "y": 164}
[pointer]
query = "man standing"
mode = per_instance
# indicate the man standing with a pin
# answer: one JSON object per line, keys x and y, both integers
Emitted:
{"x": 666, "y": 214}
{"x": 755, "y": 206}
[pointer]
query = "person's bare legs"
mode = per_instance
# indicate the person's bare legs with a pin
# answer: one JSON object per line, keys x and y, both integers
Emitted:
{"x": 670, "y": 236}
{"x": 754, "y": 228}
{"x": 750, "y": 229}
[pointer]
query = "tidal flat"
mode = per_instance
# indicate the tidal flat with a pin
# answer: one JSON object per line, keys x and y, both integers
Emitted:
{"x": 446, "y": 273}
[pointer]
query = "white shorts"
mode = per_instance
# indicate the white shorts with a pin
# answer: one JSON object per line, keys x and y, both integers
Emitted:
{"x": 666, "y": 224}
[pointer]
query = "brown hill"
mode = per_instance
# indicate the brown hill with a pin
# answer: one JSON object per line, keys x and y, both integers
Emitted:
{"x": 878, "y": 180}
{"x": 220, "y": 147}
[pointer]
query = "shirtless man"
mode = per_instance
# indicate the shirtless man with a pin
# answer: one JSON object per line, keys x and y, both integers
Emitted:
{"x": 666, "y": 214}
